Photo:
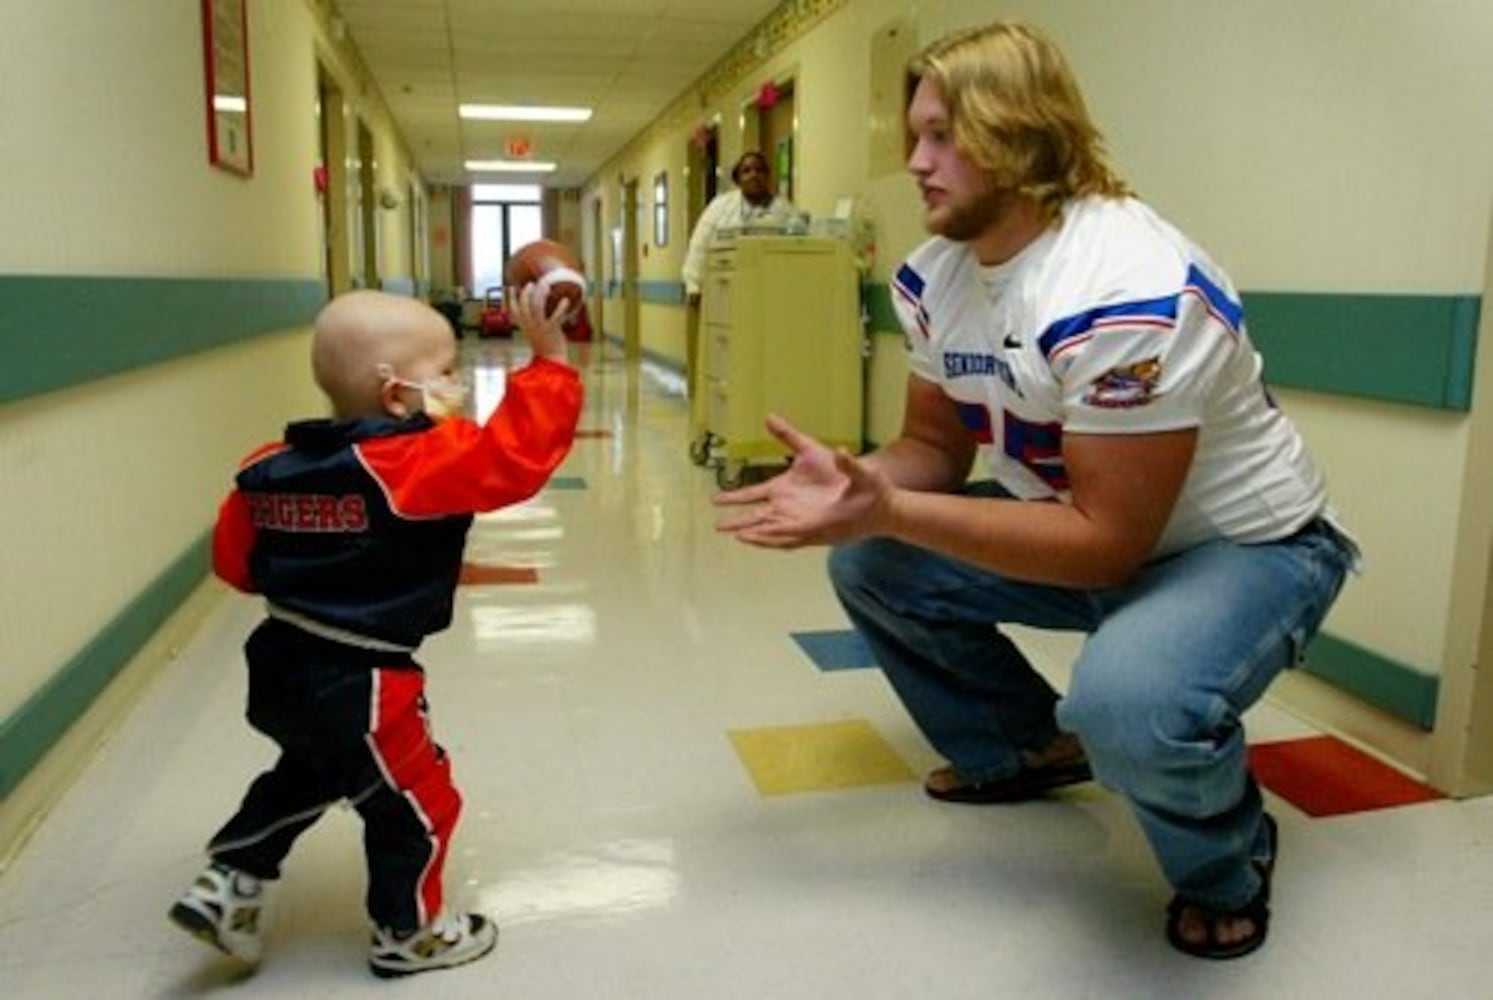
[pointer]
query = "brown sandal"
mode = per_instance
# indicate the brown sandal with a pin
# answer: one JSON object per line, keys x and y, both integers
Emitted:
{"x": 1027, "y": 783}
{"x": 1256, "y": 911}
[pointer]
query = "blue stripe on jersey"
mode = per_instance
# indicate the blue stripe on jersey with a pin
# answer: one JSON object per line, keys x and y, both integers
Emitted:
{"x": 976, "y": 418}
{"x": 911, "y": 281}
{"x": 1231, "y": 312}
{"x": 1039, "y": 447}
{"x": 909, "y": 285}
{"x": 1064, "y": 330}
{"x": 1161, "y": 310}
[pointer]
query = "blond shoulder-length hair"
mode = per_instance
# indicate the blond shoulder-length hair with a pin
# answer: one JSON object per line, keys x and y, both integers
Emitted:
{"x": 1017, "y": 112}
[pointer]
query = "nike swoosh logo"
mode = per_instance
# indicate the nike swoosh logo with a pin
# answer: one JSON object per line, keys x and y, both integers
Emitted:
{"x": 1011, "y": 341}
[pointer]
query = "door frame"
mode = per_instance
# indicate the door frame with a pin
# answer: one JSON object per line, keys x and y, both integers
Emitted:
{"x": 332, "y": 143}
{"x": 632, "y": 339}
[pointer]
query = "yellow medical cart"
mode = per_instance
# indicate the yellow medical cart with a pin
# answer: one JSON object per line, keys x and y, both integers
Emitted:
{"x": 780, "y": 332}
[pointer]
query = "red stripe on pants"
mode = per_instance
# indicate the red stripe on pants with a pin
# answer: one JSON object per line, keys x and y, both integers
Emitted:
{"x": 418, "y": 769}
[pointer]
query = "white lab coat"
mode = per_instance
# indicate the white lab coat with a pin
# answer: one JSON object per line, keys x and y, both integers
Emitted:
{"x": 726, "y": 210}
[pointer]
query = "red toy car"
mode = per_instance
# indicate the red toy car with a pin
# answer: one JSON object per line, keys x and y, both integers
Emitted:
{"x": 494, "y": 321}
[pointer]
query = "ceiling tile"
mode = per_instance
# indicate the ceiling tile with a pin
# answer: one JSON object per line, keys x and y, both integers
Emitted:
{"x": 627, "y": 59}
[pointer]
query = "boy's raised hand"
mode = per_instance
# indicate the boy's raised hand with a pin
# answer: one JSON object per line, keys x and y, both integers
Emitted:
{"x": 544, "y": 331}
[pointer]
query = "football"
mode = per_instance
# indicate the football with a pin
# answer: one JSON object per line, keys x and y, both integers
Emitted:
{"x": 552, "y": 266}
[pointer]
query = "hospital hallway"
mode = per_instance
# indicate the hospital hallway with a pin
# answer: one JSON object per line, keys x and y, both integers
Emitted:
{"x": 683, "y": 779}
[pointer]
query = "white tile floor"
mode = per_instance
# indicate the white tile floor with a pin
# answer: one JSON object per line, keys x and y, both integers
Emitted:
{"x": 613, "y": 831}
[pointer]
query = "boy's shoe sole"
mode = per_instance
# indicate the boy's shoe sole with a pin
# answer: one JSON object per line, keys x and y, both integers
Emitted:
{"x": 222, "y": 908}
{"x": 197, "y": 925}
{"x": 480, "y": 939}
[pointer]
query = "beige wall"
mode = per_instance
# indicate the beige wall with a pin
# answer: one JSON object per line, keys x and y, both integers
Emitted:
{"x": 1339, "y": 147}
{"x": 103, "y": 156}
{"x": 103, "y": 153}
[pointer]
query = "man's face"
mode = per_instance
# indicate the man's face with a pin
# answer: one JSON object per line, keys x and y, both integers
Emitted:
{"x": 959, "y": 199}
{"x": 754, "y": 180}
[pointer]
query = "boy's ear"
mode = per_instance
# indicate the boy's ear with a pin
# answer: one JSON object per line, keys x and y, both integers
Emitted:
{"x": 388, "y": 397}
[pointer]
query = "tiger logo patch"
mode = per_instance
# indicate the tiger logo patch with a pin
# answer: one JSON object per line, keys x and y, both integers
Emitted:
{"x": 1125, "y": 386}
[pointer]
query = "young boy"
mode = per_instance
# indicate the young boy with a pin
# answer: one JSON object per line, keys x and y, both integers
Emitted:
{"x": 352, "y": 528}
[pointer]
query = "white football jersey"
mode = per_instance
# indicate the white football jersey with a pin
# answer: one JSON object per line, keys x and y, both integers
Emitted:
{"x": 1111, "y": 322}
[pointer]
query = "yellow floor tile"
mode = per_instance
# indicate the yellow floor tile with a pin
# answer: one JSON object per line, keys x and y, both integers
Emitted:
{"x": 784, "y": 760}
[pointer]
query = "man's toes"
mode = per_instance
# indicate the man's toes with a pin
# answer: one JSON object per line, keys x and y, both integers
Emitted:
{"x": 1195, "y": 927}
{"x": 1192, "y": 926}
{"x": 1232, "y": 930}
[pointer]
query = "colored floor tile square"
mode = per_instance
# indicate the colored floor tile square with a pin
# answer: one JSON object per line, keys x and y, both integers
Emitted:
{"x": 479, "y": 574}
{"x": 1323, "y": 776}
{"x": 818, "y": 757}
{"x": 840, "y": 649}
{"x": 567, "y": 483}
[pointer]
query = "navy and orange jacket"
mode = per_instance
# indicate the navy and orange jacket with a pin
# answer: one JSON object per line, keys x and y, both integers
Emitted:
{"x": 359, "y": 525}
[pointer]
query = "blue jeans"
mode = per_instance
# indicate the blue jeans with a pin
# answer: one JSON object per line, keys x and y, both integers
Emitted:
{"x": 1172, "y": 660}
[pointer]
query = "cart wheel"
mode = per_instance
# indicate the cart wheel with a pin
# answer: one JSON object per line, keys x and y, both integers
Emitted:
{"x": 699, "y": 449}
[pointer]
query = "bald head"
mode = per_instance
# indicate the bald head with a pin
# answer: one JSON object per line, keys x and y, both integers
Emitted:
{"x": 358, "y": 331}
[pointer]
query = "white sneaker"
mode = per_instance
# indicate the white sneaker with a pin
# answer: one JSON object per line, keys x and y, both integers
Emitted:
{"x": 222, "y": 909}
{"x": 447, "y": 941}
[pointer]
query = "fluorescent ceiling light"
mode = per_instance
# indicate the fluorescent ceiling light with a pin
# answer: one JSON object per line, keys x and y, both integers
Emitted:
{"x": 228, "y": 102}
{"x": 510, "y": 166}
{"x": 522, "y": 113}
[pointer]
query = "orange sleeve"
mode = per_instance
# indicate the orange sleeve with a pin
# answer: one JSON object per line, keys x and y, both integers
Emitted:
{"x": 458, "y": 467}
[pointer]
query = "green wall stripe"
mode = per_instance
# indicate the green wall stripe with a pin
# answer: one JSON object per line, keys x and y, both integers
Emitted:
{"x": 27, "y": 735}
{"x": 401, "y": 286}
{"x": 668, "y": 293}
{"x": 58, "y": 331}
{"x": 1415, "y": 349}
{"x": 1403, "y": 691}
{"x": 658, "y": 292}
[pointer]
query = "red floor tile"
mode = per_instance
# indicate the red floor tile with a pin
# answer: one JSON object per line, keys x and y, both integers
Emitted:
{"x": 476, "y": 573}
{"x": 1323, "y": 776}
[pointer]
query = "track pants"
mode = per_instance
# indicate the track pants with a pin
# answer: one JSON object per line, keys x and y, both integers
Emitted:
{"x": 351, "y": 724}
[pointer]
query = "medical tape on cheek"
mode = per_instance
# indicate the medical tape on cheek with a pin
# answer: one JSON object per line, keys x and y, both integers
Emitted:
{"x": 561, "y": 276}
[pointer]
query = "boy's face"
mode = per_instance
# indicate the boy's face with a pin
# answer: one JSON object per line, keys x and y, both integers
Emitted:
{"x": 436, "y": 357}
{"x": 426, "y": 380}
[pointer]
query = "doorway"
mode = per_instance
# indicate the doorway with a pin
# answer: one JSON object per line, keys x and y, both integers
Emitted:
{"x": 419, "y": 230}
{"x": 1462, "y": 740}
{"x": 776, "y": 117}
{"x": 597, "y": 269}
{"x": 632, "y": 338}
{"x": 368, "y": 208}
{"x": 331, "y": 182}
{"x": 703, "y": 157}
